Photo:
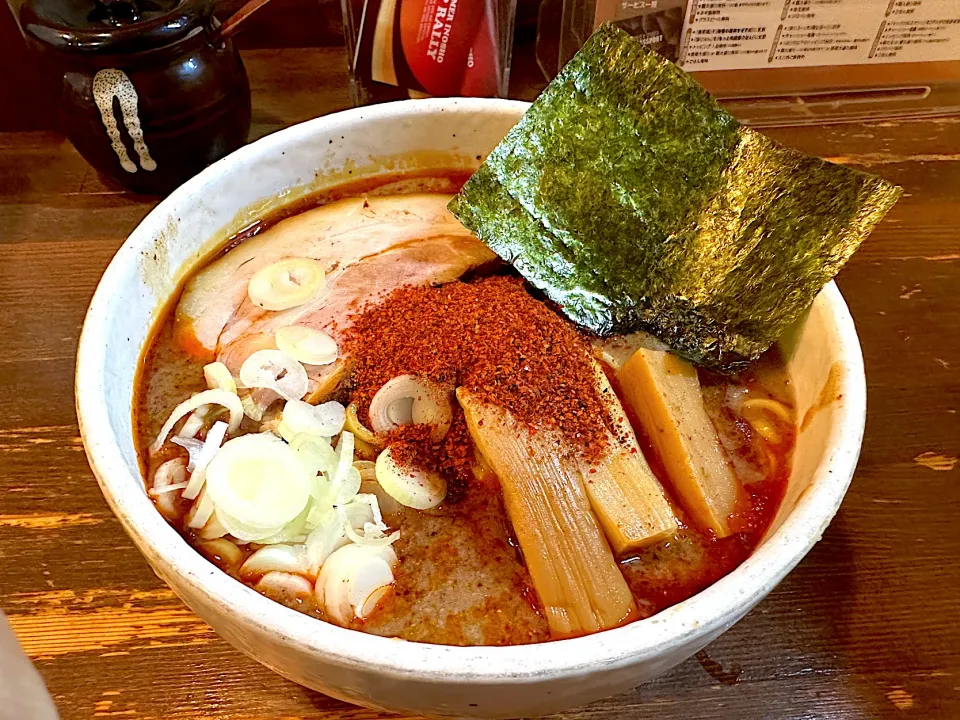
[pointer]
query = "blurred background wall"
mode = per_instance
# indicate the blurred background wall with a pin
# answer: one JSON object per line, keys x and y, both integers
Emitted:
{"x": 27, "y": 98}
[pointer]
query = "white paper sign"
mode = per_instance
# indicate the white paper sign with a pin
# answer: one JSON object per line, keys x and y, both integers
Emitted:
{"x": 745, "y": 34}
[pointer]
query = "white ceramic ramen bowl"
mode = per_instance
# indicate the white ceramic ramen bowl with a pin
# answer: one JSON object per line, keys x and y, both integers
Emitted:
{"x": 489, "y": 682}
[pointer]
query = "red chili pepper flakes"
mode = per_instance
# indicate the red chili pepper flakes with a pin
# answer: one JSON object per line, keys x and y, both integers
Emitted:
{"x": 412, "y": 446}
{"x": 407, "y": 440}
{"x": 492, "y": 337}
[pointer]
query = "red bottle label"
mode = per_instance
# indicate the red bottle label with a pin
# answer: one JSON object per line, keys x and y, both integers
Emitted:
{"x": 436, "y": 47}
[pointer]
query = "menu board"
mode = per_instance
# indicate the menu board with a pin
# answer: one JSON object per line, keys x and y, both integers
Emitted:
{"x": 747, "y": 34}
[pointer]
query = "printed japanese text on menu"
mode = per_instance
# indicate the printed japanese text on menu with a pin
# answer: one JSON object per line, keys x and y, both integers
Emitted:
{"x": 741, "y": 34}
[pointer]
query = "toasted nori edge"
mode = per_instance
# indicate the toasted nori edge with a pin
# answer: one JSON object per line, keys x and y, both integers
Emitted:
{"x": 635, "y": 202}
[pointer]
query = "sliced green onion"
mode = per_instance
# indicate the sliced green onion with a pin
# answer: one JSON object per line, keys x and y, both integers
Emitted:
{"x": 207, "y": 397}
{"x": 280, "y": 558}
{"x": 276, "y": 371}
{"x": 353, "y": 580}
{"x": 367, "y": 468}
{"x": 246, "y": 533}
{"x": 284, "y": 587}
{"x": 224, "y": 550}
{"x": 324, "y": 420}
{"x": 345, "y": 456}
{"x": 326, "y": 538}
{"x": 172, "y": 473}
{"x": 412, "y": 487}
{"x": 201, "y": 511}
{"x": 294, "y": 531}
{"x": 218, "y": 377}
{"x": 347, "y": 488}
{"x": 308, "y": 345}
{"x": 192, "y": 426}
{"x": 286, "y": 283}
{"x": 319, "y": 515}
{"x": 251, "y": 408}
{"x": 259, "y": 481}
{"x": 213, "y": 529}
{"x": 408, "y": 399}
{"x": 200, "y": 459}
{"x": 315, "y": 452}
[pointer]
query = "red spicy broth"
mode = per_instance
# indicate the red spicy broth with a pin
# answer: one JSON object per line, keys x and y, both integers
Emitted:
{"x": 460, "y": 577}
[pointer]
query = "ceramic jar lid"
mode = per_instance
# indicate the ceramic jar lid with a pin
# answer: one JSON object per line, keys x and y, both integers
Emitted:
{"x": 113, "y": 26}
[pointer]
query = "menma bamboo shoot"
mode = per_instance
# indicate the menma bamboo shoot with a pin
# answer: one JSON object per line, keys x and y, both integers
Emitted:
{"x": 664, "y": 392}
{"x": 624, "y": 493}
{"x": 572, "y": 567}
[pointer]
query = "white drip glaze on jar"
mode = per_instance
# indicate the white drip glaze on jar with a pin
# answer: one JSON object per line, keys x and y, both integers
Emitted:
{"x": 107, "y": 85}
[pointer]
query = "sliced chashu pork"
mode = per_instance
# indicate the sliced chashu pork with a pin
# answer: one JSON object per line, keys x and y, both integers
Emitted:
{"x": 426, "y": 261}
{"x": 341, "y": 235}
{"x": 370, "y": 247}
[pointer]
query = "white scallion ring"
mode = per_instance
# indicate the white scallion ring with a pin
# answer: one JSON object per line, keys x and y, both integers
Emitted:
{"x": 308, "y": 345}
{"x": 207, "y": 397}
{"x": 354, "y": 579}
{"x": 277, "y": 371}
{"x": 286, "y": 283}
{"x": 324, "y": 420}
{"x": 258, "y": 480}
{"x": 414, "y": 488}
{"x": 408, "y": 399}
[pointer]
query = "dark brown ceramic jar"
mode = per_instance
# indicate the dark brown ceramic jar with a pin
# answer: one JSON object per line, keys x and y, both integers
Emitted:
{"x": 147, "y": 98}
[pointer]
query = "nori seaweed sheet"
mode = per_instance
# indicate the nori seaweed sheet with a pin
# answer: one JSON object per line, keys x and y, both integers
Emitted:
{"x": 634, "y": 201}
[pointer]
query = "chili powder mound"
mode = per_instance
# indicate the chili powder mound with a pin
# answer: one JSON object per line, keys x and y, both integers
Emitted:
{"x": 493, "y": 337}
{"x": 452, "y": 457}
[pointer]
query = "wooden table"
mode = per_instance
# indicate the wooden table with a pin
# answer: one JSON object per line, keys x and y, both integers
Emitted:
{"x": 866, "y": 627}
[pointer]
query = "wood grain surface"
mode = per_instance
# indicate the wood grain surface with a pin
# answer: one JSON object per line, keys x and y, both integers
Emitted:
{"x": 865, "y": 627}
